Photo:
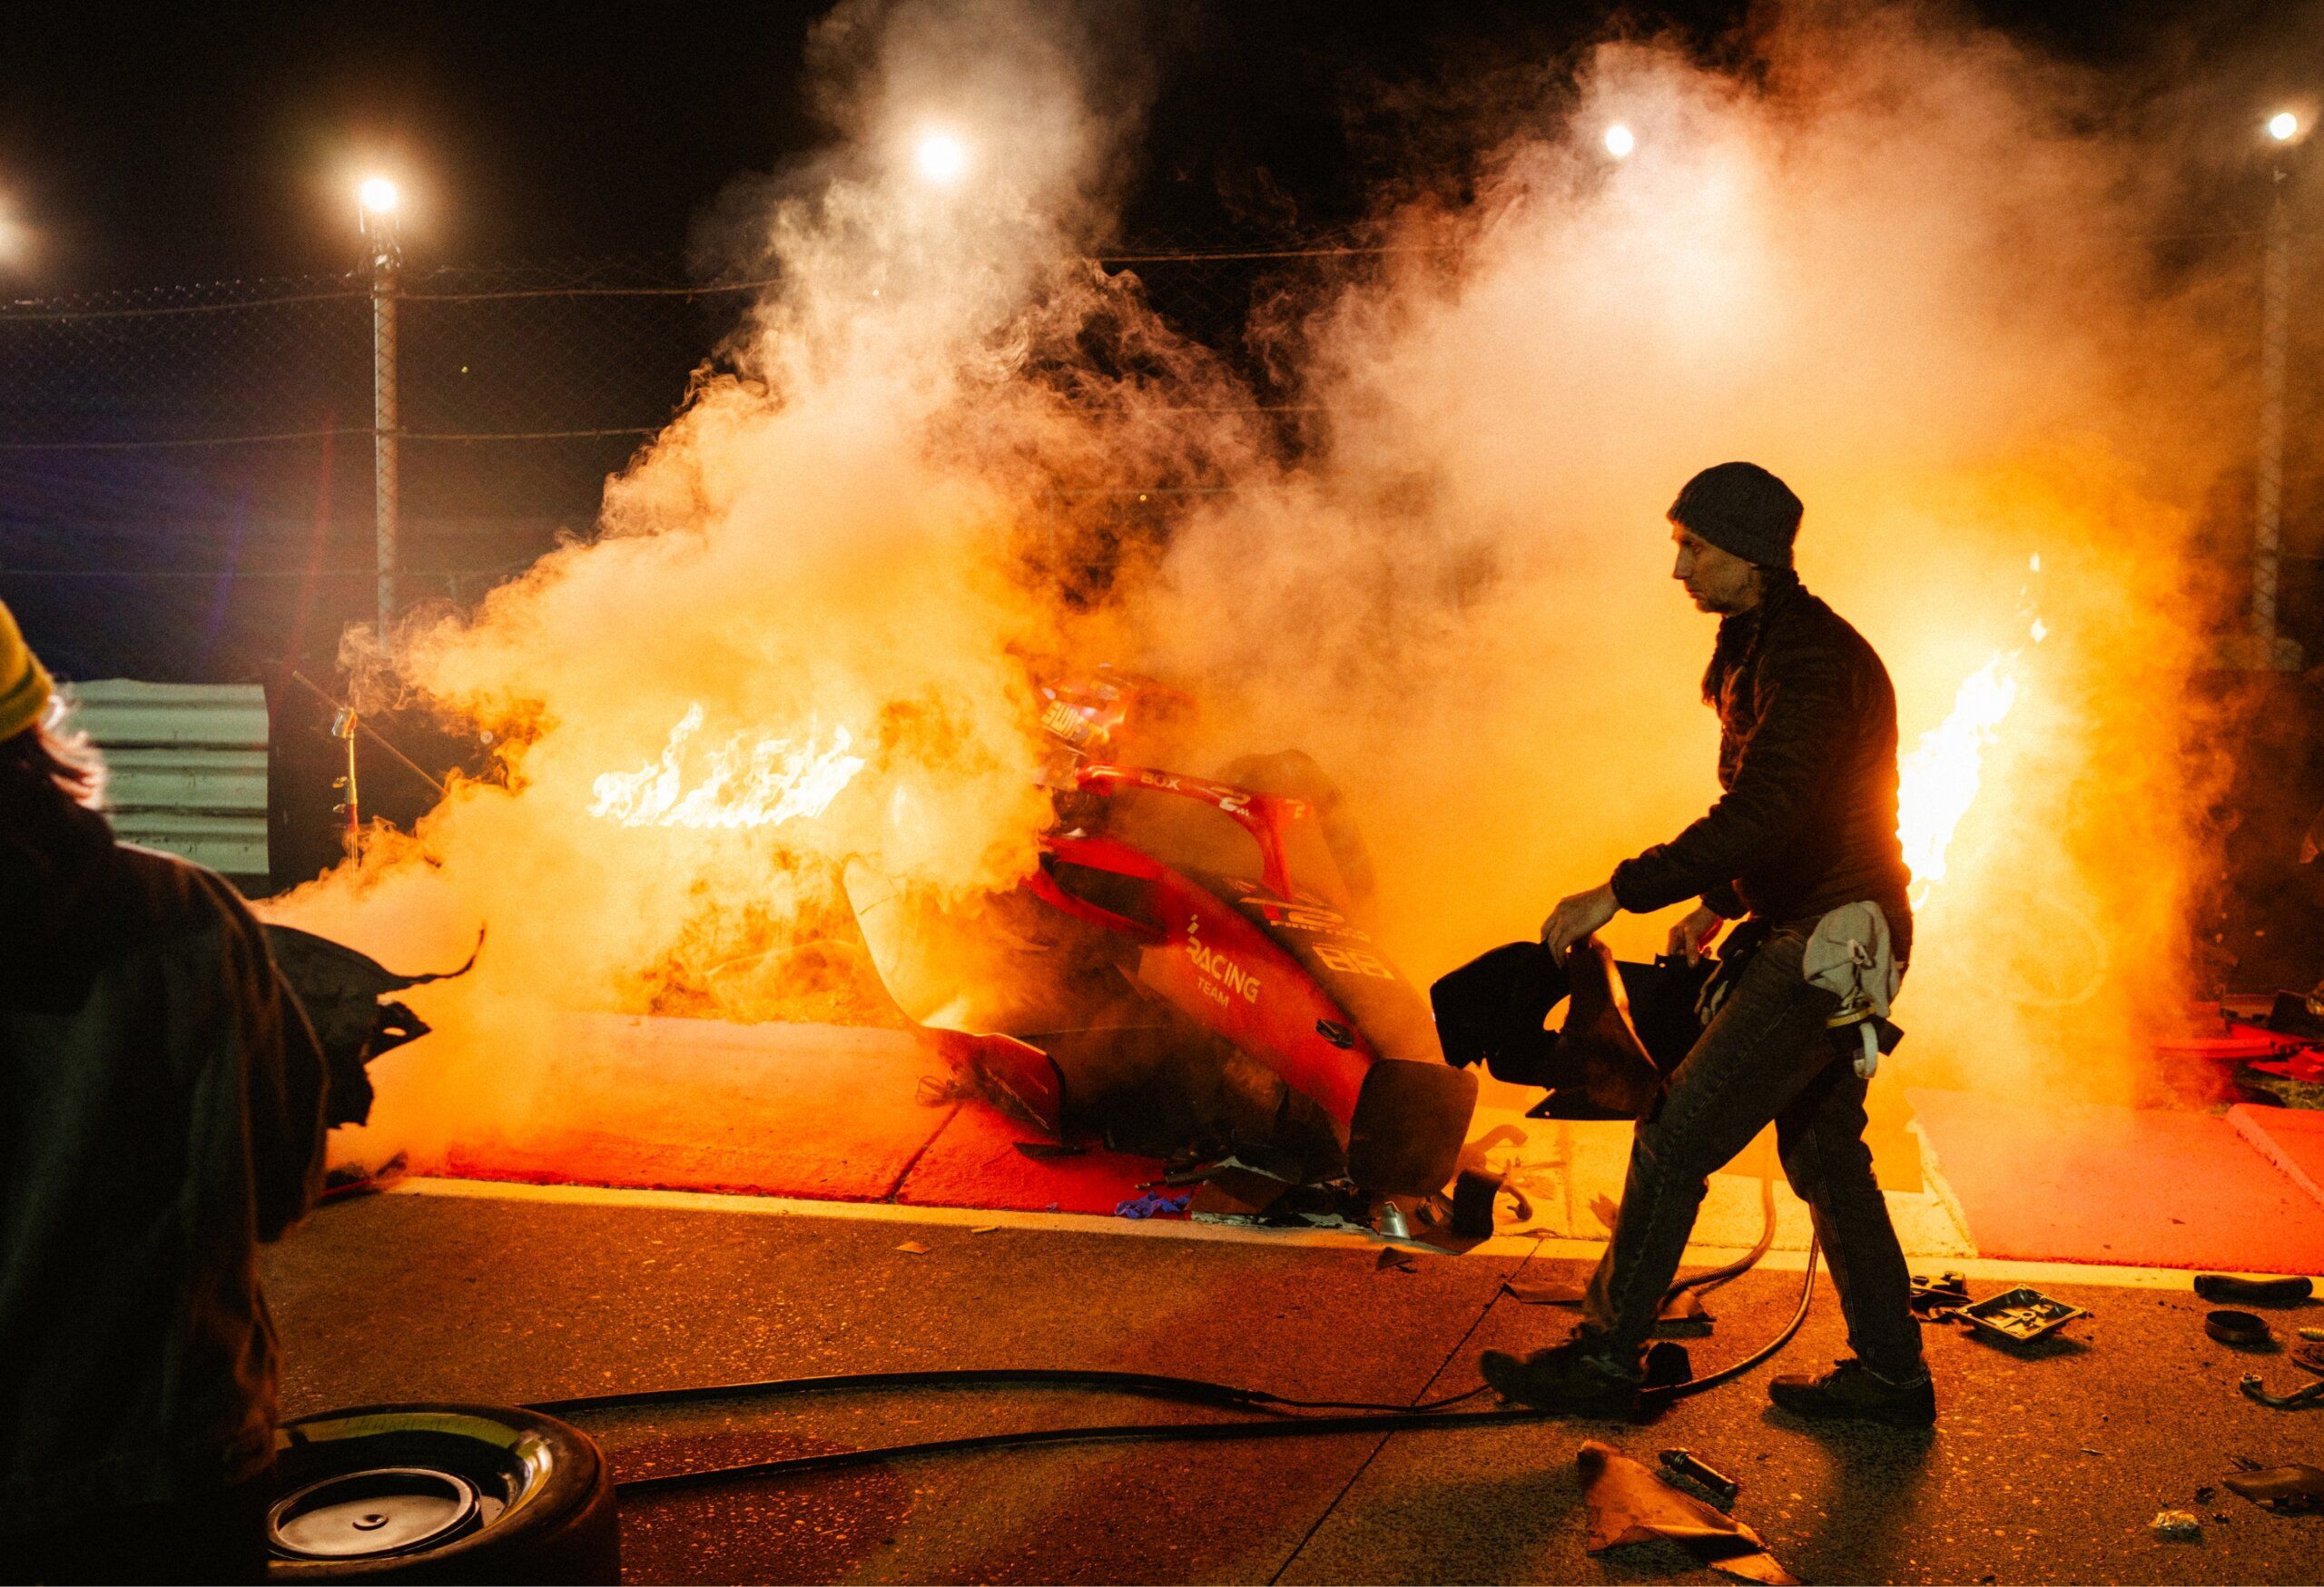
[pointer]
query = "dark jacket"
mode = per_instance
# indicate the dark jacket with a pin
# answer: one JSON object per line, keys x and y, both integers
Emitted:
{"x": 161, "y": 1113}
{"x": 1808, "y": 757}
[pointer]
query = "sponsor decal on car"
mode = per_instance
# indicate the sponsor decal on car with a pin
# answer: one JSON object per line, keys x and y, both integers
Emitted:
{"x": 1222, "y": 978}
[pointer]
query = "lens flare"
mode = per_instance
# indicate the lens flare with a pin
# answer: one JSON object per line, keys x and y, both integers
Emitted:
{"x": 744, "y": 784}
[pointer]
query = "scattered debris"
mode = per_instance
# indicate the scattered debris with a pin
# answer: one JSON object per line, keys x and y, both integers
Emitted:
{"x": 2019, "y": 1316}
{"x": 1938, "y": 1295}
{"x": 2313, "y": 1336}
{"x": 2253, "y": 1291}
{"x": 2254, "y": 1389}
{"x": 914, "y": 1247}
{"x": 1604, "y": 1208}
{"x": 1040, "y": 1150}
{"x": 1403, "y": 1261}
{"x": 1681, "y": 1463}
{"x": 1668, "y": 1365}
{"x": 1547, "y": 1293}
{"x": 984, "y": 1229}
{"x": 2284, "y": 1490}
{"x": 1475, "y": 1189}
{"x": 1231, "y": 1192}
{"x": 1152, "y": 1206}
{"x": 2203, "y": 1494}
{"x": 2177, "y": 1526}
{"x": 355, "y": 1179}
{"x": 2241, "y": 1329}
{"x": 2308, "y": 1356}
{"x": 1628, "y": 1503}
{"x": 1683, "y": 1316}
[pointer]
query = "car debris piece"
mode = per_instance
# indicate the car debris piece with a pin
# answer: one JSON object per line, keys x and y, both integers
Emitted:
{"x": 1039, "y": 1149}
{"x": 2255, "y": 1389}
{"x": 350, "y": 1179}
{"x": 2240, "y": 1328}
{"x": 1683, "y": 1316}
{"x": 2313, "y": 1336}
{"x": 2310, "y": 1356}
{"x": 1939, "y": 1294}
{"x": 2177, "y": 1526}
{"x": 2020, "y": 1315}
{"x": 2253, "y": 1291}
{"x": 913, "y": 1249}
{"x": 1395, "y": 1256}
{"x": 342, "y": 992}
{"x": 1548, "y": 1293}
{"x": 2284, "y": 1490}
{"x": 1474, "y": 1191}
{"x": 1628, "y": 1503}
{"x": 1681, "y": 1463}
{"x": 1139, "y": 1208}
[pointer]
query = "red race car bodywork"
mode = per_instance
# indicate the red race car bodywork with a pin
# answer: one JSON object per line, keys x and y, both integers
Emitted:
{"x": 1277, "y": 967}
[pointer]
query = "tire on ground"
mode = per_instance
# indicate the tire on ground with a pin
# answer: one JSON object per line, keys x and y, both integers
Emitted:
{"x": 542, "y": 1498}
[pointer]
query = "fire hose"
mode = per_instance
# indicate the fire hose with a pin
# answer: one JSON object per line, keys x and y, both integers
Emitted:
{"x": 1271, "y": 1416}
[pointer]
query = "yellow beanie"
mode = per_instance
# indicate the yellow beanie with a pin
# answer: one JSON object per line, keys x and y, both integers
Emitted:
{"x": 24, "y": 686}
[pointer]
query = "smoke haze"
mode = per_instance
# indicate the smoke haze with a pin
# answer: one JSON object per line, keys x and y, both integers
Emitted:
{"x": 1890, "y": 257}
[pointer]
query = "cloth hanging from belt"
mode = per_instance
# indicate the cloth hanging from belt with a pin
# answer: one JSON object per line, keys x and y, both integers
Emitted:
{"x": 1851, "y": 955}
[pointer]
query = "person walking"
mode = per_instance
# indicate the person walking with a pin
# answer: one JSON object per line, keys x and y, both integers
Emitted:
{"x": 1803, "y": 844}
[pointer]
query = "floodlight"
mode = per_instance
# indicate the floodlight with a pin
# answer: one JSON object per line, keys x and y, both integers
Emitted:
{"x": 377, "y": 195}
{"x": 942, "y": 158}
{"x": 2283, "y": 126}
{"x": 1619, "y": 141}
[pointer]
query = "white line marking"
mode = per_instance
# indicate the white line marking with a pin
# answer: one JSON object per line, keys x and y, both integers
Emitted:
{"x": 1989, "y": 1269}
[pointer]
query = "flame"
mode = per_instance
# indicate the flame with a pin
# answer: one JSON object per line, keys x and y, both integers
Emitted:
{"x": 1940, "y": 776}
{"x": 764, "y": 784}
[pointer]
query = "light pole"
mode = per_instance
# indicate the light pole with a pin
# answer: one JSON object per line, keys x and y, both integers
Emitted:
{"x": 2271, "y": 649}
{"x": 942, "y": 157}
{"x": 376, "y": 203}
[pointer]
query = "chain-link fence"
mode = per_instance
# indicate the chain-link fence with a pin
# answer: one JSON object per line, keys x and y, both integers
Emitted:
{"x": 186, "y": 482}
{"x": 186, "y": 474}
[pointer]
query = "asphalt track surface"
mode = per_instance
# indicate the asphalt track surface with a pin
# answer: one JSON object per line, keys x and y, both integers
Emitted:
{"x": 2043, "y": 1468}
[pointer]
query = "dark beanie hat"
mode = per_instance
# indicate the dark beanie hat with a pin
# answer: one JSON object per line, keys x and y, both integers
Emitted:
{"x": 1741, "y": 509}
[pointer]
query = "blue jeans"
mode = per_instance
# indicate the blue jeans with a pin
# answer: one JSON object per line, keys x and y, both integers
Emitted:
{"x": 1765, "y": 1057}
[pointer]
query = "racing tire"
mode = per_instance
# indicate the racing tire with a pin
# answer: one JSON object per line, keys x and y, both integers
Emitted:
{"x": 441, "y": 1492}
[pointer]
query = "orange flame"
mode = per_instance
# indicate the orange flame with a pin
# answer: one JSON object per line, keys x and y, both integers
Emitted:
{"x": 761, "y": 784}
{"x": 1940, "y": 776}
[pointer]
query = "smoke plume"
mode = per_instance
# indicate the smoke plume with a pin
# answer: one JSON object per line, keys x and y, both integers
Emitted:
{"x": 1891, "y": 257}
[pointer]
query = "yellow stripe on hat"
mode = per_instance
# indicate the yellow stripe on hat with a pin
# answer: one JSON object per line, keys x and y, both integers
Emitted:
{"x": 25, "y": 686}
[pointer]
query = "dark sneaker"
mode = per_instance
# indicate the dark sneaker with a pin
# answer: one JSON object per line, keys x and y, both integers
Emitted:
{"x": 1574, "y": 1377}
{"x": 1853, "y": 1392}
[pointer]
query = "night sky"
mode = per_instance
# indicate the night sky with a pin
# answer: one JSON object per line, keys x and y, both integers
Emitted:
{"x": 215, "y": 142}
{"x": 223, "y": 145}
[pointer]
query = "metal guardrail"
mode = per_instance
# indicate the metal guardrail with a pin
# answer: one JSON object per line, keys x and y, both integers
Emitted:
{"x": 186, "y": 767}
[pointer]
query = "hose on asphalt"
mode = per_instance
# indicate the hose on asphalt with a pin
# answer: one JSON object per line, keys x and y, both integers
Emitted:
{"x": 1276, "y": 1415}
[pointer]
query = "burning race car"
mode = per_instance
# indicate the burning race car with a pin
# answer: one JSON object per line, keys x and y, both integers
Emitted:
{"x": 1189, "y": 972}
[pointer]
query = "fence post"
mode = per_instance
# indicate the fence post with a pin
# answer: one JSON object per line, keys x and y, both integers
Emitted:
{"x": 2267, "y": 527}
{"x": 387, "y": 262}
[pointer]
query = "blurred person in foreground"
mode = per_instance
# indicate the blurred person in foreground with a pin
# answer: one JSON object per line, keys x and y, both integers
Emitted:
{"x": 160, "y": 1114}
{"x": 1803, "y": 841}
